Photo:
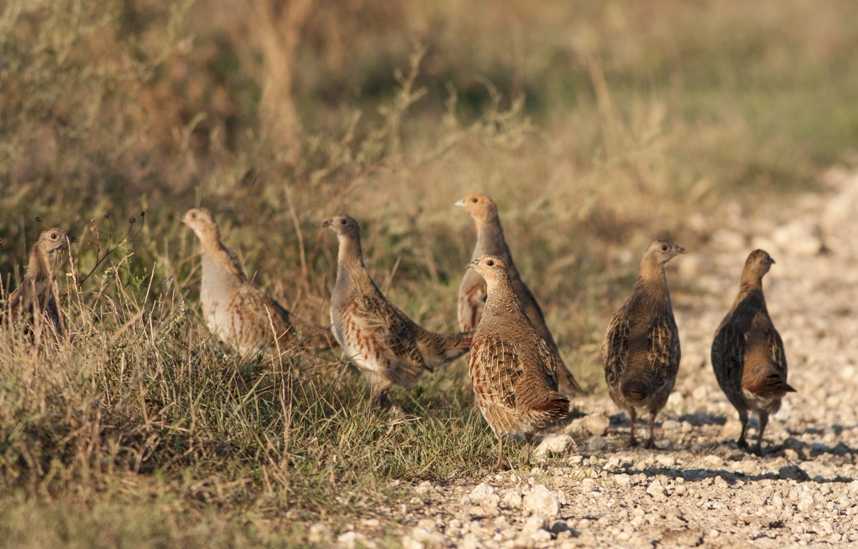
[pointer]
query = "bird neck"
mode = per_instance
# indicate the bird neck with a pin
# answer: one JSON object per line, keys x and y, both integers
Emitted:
{"x": 39, "y": 266}
{"x": 502, "y": 301}
{"x": 751, "y": 281}
{"x": 219, "y": 268}
{"x": 490, "y": 239}
{"x": 751, "y": 286}
{"x": 350, "y": 265}
{"x": 652, "y": 281}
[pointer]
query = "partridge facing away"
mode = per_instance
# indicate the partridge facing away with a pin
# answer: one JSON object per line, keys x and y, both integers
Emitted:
{"x": 239, "y": 314}
{"x": 641, "y": 348}
{"x": 472, "y": 290}
{"x": 387, "y": 346}
{"x": 36, "y": 296}
{"x": 748, "y": 354}
{"x": 513, "y": 369}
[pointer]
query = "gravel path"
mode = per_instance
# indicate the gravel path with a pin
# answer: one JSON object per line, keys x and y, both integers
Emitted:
{"x": 698, "y": 488}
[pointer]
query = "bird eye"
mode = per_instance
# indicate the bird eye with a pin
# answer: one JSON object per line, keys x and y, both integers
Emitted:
{"x": 342, "y": 221}
{"x": 193, "y": 215}
{"x": 474, "y": 200}
{"x": 53, "y": 236}
{"x": 664, "y": 247}
{"x": 490, "y": 263}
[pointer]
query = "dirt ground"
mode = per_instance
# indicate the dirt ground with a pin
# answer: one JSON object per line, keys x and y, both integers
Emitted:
{"x": 697, "y": 488}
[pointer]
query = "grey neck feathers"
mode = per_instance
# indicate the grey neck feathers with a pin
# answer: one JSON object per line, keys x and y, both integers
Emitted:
{"x": 351, "y": 270}
{"x": 503, "y": 303}
{"x": 219, "y": 272}
{"x": 39, "y": 265}
{"x": 490, "y": 240}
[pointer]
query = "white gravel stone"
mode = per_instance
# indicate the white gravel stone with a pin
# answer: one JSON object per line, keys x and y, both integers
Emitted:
{"x": 542, "y": 502}
{"x": 553, "y": 444}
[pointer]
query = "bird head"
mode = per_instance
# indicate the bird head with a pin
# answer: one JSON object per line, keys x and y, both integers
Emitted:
{"x": 343, "y": 225}
{"x": 759, "y": 262}
{"x": 200, "y": 221}
{"x": 52, "y": 241}
{"x": 663, "y": 250}
{"x": 480, "y": 207}
{"x": 490, "y": 267}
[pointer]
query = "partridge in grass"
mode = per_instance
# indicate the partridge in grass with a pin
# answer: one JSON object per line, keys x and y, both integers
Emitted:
{"x": 513, "y": 369}
{"x": 239, "y": 314}
{"x": 35, "y": 298}
{"x": 641, "y": 348}
{"x": 748, "y": 354}
{"x": 472, "y": 290}
{"x": 386, "y": 345}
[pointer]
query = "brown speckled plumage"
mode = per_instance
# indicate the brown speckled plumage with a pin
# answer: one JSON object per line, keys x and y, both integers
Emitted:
{"x": 641, "y": 348}
{"x": 748, "y": 354}
{"x": 35, "y": 298}
{"x": 238, "y": 313}
{"x": 472, "y": 290}
{"x": 513, "y": 370}
{"x": 387, "y": 346}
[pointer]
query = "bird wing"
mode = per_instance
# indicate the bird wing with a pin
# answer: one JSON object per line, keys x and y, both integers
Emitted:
{"x": 261, "y": 317}
{"x": 495, "y": 369}
{"x": 765, "y": 364}
{"x": 392, "y": 333}
{"x": 472, "y": 299}
{"x": 615, "y": 347}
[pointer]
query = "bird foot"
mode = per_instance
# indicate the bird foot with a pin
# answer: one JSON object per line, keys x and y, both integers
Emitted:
{"x": 633, "y": 442}
{"x": 743, "y": 445}
{"x": 650, "y": 444}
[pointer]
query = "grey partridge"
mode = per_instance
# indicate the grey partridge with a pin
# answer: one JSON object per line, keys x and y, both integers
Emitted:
{"x": 238, "y": 313}
{"x": 513, "y": 369}
{"x": 36, "y": 296}
{"x": 472, "y": 290}
{"x": 748, "y": 354}
{"x": 387, "y": 346}
{"x": 641, "y": 349}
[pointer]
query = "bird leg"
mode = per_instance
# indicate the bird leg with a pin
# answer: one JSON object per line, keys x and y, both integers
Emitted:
{"x": 650, "y": 443}
{"x": 633, "y": 417}
{"x": 764, "y": 420}
{"x": 500, "y": 460}
{"x": 742, "y": 443}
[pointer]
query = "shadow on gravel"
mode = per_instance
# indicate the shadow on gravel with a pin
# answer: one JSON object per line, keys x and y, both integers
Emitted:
{"x": 810, "y": 450}
{"x": 788, "y": 472}
{"x": 702, "y": 419}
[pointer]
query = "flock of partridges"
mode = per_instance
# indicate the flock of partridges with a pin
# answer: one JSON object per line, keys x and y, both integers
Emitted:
{"x": 521, "y": 384}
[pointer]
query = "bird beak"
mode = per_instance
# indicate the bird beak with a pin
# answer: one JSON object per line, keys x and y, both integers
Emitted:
{"x": 326, "y": 223}
{"x": 772, "y": 260}
{"x": 680, "y": 249}
{"x": 459, "y": 203}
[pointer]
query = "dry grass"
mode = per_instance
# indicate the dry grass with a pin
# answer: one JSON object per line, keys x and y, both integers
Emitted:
{"x": 139, "y": 424}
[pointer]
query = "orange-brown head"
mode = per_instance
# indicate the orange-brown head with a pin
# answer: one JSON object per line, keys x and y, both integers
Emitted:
{"x": 200, "y": 221}
{"x": 52, "y": 241}
{"x": 492, "y": 268}
{"x": 757, "y": 265}
{"x": 480, "y": 207}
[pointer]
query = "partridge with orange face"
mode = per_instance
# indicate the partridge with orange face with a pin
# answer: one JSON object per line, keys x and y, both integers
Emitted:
{"x": 36, "y": 296}
{"x": 387, "y": 346}
{"x": 748, "y": 353}
{"x": 513, "y": 370}
{"x": 472, "y": 290}
{"x": 641, "y": 349}
{"x": 238, "y": 313}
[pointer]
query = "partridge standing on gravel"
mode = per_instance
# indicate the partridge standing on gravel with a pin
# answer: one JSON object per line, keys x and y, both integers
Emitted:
{"x": 386, "y": 345}
{"x": 641, "y": 347}
{"x": 239, "y": 314}
{"x": 36, "y": 296}
{"x": 513, "y": 370}
{"x": 472, "y": 290}
{"x": 748, "y": 354}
